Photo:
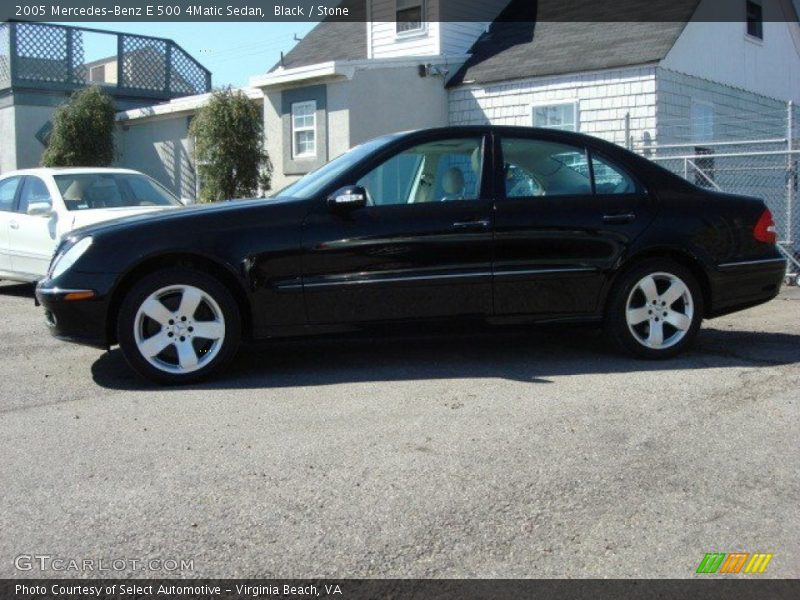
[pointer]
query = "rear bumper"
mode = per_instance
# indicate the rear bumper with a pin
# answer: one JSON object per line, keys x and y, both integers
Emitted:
{"x": 740, "y": 285}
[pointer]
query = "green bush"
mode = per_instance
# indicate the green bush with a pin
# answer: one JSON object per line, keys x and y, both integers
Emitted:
{"x": 229, "y": 147}
{"x": 83, "y": 131}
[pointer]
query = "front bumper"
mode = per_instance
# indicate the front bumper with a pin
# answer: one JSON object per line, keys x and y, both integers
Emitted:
{"x": 77, "y": 312}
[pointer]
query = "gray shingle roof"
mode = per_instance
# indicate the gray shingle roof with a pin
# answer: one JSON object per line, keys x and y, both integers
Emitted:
{"x": 331, "y": 41}
{"x": 515, "y": 50}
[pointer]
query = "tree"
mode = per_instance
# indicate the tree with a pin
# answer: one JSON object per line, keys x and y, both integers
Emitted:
{"x": 83, "y": 131}
{"x": 229, "y": 147}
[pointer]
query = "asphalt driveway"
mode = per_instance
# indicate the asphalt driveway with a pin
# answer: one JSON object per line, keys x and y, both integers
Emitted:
{"x": 535, "y": 453}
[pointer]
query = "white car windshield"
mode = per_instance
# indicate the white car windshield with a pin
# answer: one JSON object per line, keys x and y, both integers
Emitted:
{"x": 87, "y": 191}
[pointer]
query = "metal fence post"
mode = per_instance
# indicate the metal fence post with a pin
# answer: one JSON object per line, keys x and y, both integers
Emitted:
{"x": 790, "y": 175}
{"x": 628, "y": 143}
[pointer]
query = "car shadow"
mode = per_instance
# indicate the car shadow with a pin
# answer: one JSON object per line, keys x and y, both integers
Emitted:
{"x": 19, "y": 290}
{"x": 532, "y": 355}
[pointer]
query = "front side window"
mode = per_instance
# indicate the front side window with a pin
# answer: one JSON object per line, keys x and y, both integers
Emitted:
{"x": 755, "y": 20}
{"x": 410, "y": 16}
{"x": 88, "y": 191}
{"x": 34, "y": 192}
{"x": 560, "y": 115}
{"x": 304, "y": 129}
{"x": 440, "y": 171}
{"x": 544, "y": 168}
{"x": 8, "y": 191}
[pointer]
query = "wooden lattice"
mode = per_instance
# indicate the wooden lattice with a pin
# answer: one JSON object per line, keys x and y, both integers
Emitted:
{"x": 42, "y": 53}
{"x": 5, "y": 55}
{"x": 144, "y": 63}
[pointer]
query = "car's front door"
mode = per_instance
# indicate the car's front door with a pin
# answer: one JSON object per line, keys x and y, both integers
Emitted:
{"x": 421, "y": 247}
{"x": 33, "y": 236}
{"x": 565, "y": 216}
{"x": 8, "y": 195}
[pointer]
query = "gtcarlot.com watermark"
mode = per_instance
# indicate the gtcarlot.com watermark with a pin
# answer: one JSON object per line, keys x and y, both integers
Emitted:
{"x": 47, "y": 562}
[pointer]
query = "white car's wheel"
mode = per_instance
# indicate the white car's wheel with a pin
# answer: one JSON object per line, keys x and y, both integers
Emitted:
{"x": 178, "y": 325}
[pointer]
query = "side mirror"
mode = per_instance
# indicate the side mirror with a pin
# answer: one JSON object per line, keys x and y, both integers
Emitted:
{"x": 186, "y": 201}
{"x": 40, "y": 209}
{"x": 348, "y": 197}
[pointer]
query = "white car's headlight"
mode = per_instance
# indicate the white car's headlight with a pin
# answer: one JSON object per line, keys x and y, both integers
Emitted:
{"x": 66, "y": 259}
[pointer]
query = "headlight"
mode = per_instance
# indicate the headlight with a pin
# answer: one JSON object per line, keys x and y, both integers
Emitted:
{"x": 65, "y": 260}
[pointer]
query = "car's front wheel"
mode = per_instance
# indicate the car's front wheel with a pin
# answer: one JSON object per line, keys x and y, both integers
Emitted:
{"x": 178, "y": 326}
{"x": 655, "y": 309}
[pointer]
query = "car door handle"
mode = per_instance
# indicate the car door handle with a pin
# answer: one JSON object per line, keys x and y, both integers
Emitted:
{"x": 620, "y": 218}
{"x": 13, "y": 225}
{"x": 477, "y": 224}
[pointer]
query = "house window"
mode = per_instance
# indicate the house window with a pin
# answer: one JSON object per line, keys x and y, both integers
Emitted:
{"x": 98, "y": 74}
{"x": 557, "y": 115}
{"x": 702, "y": 119}
{"x": 755, "y": 20}
{"x": 304, "y": 129}
{"x": 409, "y": 15}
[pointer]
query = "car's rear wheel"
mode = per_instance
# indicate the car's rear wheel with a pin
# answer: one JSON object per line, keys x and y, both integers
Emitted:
{"x": 655, "y": 309}
{"x": 178, "y": 326}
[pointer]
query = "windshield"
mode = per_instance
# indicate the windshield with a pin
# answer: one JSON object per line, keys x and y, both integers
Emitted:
{"x": 311, "y": 184}
{"x": 87, "y": 191}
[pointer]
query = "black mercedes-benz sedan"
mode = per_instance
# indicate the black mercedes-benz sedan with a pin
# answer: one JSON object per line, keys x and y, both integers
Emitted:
{"x": 499, "y": 224}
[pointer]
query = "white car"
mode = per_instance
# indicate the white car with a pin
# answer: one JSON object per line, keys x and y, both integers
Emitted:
{"x": 40, "y": 206}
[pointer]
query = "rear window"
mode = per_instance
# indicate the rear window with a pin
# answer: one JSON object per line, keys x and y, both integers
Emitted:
{"x": 87, "y": 191}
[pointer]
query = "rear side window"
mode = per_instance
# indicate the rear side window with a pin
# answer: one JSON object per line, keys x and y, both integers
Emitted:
{"x": 544, "y": 168}
{"x": 610, "y": 179}
{"x": 8, "y": 191}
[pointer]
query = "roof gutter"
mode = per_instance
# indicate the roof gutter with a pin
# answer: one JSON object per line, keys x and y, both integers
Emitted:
{"x": 341, "y": 70}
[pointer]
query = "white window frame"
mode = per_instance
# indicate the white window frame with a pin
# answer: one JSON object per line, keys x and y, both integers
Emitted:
{"x": 312, "y": 128}
{"x": 695, "y": 139}
{"x": 423, "y": 24}
{"x": 576, "y": 125}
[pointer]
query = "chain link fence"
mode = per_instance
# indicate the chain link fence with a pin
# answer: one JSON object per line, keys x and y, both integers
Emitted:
{"x": 763, "y": 163}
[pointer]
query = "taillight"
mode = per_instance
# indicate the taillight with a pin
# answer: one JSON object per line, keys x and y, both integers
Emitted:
{"x": 764, "y": 231}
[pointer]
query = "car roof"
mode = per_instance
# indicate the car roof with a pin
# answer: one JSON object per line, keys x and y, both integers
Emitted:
{"x": 66, "y": 171}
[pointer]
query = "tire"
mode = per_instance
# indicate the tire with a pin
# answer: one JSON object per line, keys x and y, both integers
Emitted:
{"x": 643, "y": 302}
{"x": 178, "y": 326}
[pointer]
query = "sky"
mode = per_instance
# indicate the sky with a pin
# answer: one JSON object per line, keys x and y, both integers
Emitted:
{"x": 233, "y": 52}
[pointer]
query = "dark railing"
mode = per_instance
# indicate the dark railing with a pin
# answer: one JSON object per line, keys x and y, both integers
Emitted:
{"x": 54, "y": 57}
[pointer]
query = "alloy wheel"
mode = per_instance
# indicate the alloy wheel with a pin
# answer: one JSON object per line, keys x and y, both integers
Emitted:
{"x": 179, "y": 329}
{"x": 659, "y": 310}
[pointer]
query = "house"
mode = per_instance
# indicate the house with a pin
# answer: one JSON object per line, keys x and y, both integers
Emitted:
{"x": 41, "y": 64}
{"x": 715, "y": 73}
{"x": 640, "y": 84}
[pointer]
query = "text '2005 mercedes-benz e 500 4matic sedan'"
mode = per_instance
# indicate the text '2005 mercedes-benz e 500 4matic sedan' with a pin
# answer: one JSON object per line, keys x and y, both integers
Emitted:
{"x": 499, "y": 224}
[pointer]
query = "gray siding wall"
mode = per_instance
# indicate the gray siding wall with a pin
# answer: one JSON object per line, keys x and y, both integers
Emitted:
{"x": 8, "y": 153}
{"x": 738, "y": 114}
{"x": 604, "y": 99}
{"x": 159, "y": 147}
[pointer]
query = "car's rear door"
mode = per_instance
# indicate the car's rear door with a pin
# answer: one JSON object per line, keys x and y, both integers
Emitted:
{"x": 420, "y": 248}
{"x": 9, "y": 188}
{"x": 565, "y": 216}
{"x": 32, "y": 237}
